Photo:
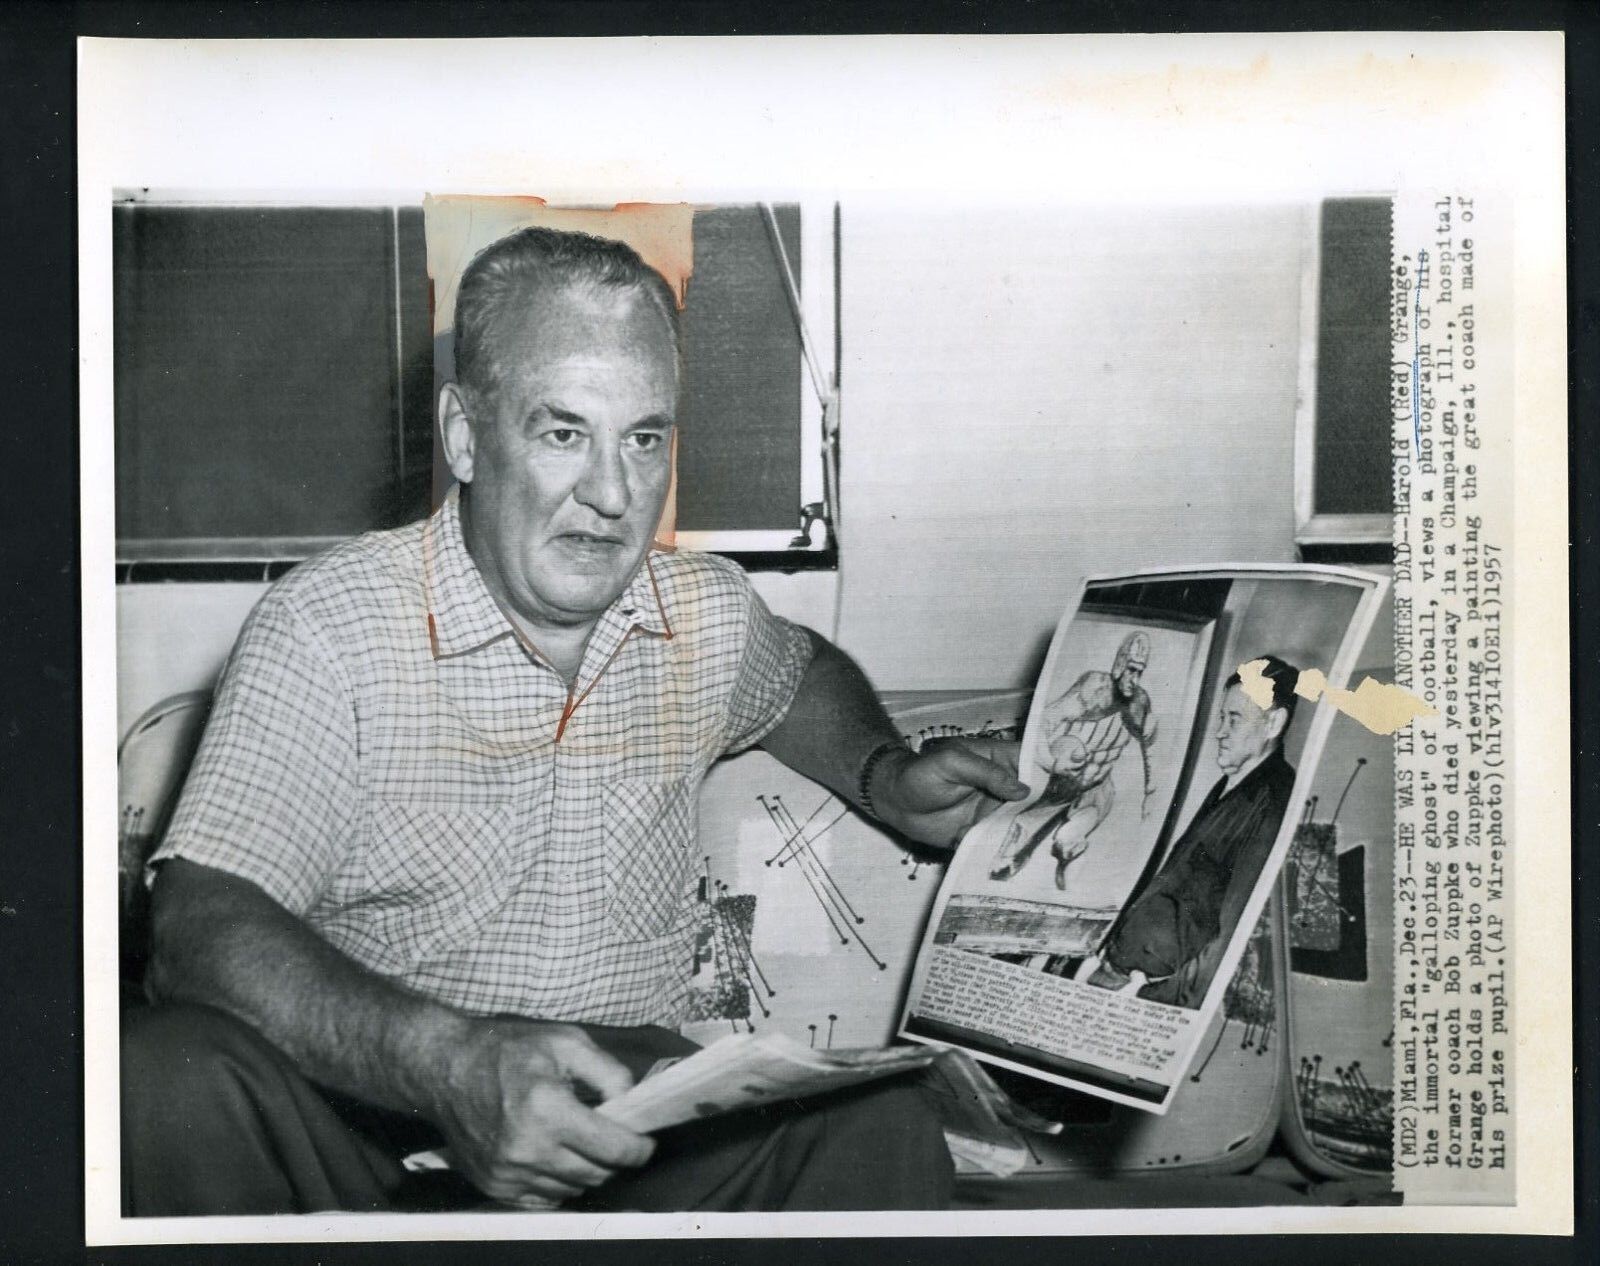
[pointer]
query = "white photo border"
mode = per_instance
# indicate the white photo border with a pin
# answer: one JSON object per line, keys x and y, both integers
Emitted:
{"x": 1048, "y": 120}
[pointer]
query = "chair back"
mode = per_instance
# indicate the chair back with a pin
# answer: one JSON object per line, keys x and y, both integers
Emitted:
{"x": 152, "y": 762}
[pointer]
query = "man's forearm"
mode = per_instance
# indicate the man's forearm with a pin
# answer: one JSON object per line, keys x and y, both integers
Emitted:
{"x": 222, "y": 941}
{"x": 834, "y": 723}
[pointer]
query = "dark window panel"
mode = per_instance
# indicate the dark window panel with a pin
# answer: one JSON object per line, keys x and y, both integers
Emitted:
{"x": 739, "y": 440}
{"x": 1353, "y": 469}
{"x": 255, "y": 371}
{"x": 416, "y": 369}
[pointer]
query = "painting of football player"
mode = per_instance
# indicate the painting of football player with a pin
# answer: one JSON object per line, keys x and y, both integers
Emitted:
{"x": 1091, "y": 725}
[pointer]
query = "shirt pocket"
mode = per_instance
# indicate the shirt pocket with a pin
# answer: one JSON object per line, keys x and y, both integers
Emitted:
{"x": 435, "y": 877}
{"x": 649, "y": 839}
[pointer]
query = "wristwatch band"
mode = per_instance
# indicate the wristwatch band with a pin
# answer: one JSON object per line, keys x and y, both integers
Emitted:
{"x": 869, "y": 767}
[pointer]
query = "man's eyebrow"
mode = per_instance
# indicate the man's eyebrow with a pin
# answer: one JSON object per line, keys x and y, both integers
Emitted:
{"x": 558, "y": 413}
{"x": 654, "y": 422}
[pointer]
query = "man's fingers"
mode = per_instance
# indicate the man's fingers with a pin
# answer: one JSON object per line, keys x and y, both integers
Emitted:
{"x": 535, "y": 1192}
{"x": 561, "y": 1165}
{"x": 533, "y": 1203}
{"x": 524, "y": 1185}
{"x": 963, "y": 765}
{"x": 572, "y": 1150}
{"x": 582, "y": 1061}
{"x": 570, "y": 1167}
{"x": 595, "y": 1137}
{"x": 1006, "y": 753}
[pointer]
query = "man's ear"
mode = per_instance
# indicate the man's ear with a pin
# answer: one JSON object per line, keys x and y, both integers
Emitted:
{"x": 457, "y": 433}
{"x": 1277, "y": 723}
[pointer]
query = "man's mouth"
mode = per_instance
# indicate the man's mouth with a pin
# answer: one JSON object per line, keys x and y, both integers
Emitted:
{"x": 592, "y": 540}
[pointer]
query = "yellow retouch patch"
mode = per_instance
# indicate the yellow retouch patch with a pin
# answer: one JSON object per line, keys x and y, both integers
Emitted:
{"x": 1382, "y": 707}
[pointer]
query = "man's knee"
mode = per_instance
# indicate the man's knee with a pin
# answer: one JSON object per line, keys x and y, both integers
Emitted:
{"x": 182, "y": 1064}
{"x": 183, "y": 1042}
{"x": 899, "y": 1115}
{"x": 209, "y": 1113}
{"x": 885, "y": 1144}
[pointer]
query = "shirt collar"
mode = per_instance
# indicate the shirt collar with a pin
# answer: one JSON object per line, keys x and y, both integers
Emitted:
{"x": 463, "y": 615}
{"x": 642, "y": 603}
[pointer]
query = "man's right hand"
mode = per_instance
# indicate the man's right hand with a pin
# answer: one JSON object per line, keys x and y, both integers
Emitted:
{"x": 512, "y": 1113}
{"x": 503, "y": 1091}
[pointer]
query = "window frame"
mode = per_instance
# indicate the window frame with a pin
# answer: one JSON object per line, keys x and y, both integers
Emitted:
{"x": 1312, "y": 528}
{"x": 819, "y": 308}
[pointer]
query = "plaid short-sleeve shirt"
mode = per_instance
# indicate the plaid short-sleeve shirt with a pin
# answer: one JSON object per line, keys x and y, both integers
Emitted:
{"x": 390, "y": 761}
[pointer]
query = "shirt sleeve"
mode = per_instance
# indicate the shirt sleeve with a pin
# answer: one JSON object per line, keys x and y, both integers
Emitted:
{"x": 272, "y": 794}
{"x": 772, "y": 662}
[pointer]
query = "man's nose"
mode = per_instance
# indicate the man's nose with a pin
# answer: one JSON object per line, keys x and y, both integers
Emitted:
{"x": 604, "y": 484}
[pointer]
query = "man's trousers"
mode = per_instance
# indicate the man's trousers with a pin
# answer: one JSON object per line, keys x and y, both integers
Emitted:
{"x": 215, "y": 1120}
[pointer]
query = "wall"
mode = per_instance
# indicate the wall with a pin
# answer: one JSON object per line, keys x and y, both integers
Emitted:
{"x": 172, "y": 638}
{"x": 1032, "y": 396}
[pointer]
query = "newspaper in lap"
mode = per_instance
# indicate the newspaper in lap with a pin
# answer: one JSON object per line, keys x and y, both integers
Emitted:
{"x": 1087, "y": 934}
{"x": 742, "y": 1070}
{"x": 745, "y": 1070}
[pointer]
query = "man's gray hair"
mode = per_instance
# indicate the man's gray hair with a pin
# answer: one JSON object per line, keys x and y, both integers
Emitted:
{"x": 507, "y": 273}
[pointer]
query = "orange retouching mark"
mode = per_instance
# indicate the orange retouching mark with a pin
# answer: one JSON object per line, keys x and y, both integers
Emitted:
{"x": 433, "y": 635}
{"x": 656, "y": 589}
{"x": 459, "y": 225}
{"x": 574, "y": 700}
{"x": 566, "y": 714}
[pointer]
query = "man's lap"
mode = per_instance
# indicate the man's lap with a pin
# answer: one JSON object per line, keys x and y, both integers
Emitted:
{"x": 192, "y": 1075}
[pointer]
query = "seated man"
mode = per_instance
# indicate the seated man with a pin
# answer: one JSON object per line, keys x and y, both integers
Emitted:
{"x": 431, "y": 877}
{"x": 1169, "y": 940}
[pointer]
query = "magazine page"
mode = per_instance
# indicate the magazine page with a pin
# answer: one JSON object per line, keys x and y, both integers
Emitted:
{"x": 1086, "y": 934}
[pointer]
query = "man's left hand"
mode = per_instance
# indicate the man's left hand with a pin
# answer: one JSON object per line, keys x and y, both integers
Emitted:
{"x": 935, "y": 795}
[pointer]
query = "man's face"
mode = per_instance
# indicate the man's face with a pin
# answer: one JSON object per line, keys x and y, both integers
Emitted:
{"x": 1128, "y": 679}
{"x": 572, "y": 454}
{"x": 1244, "y": 731}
